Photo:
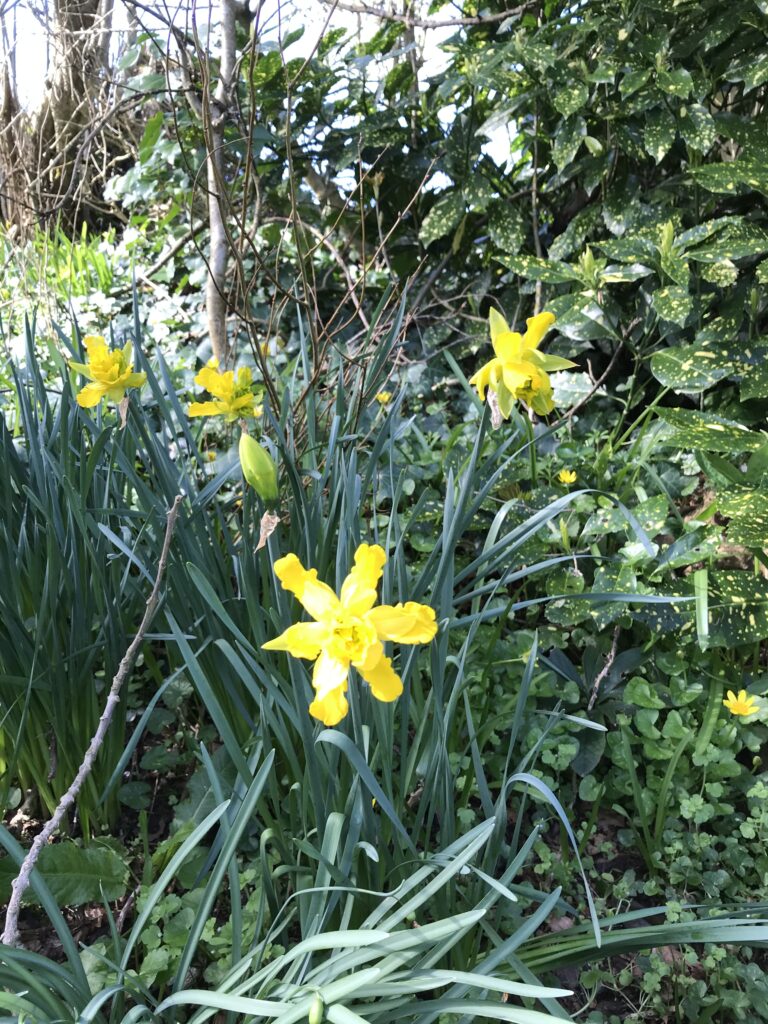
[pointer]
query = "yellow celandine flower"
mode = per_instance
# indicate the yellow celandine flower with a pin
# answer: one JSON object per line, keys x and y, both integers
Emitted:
{"x": 741, "y": 705}
{"x": 233, "y": 397}
{"x": 109, "y": 370}
{"x": 348, "y": 631}
{"x": 519, "y": 370}
{"x": 566, "y": 476}
{"x": 384, "y": 397}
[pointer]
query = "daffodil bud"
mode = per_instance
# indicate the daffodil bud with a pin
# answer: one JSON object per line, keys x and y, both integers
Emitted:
{"x": 258, "y": 468}
{"x": 316, "y": 1010}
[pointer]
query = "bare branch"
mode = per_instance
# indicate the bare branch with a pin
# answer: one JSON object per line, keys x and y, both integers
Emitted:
{"x": 10, "y": 935}
{"x": 410, "y": 21}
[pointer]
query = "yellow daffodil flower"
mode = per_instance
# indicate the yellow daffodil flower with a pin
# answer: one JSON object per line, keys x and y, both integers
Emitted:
{"x": 741, "y": 705}
{"x": 384, "y": 397}
{"x": 566, "y": 476}
{"x": 109, "y": 370}
{"x": 519, "y": 370}
{"x": 348, "y": 631}
{"x": 233, "y": 397}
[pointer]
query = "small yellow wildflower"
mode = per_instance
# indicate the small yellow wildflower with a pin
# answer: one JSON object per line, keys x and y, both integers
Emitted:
{"x": 741, "y": 705}
{"x": 566, "y": 476}
{"x": 109, "y": 370}
{"x": 348, "y": 631}
{"x": 233, "y": 398}
{"x": 384, "y": 397}
{"x": 519, "y": 370}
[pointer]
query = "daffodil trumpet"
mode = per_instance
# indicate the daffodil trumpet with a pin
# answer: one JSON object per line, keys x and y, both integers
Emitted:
{"x": 348, "y": 631}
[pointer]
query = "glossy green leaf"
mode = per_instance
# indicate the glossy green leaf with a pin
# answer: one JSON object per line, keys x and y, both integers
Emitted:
{"x": 709, "y": 432}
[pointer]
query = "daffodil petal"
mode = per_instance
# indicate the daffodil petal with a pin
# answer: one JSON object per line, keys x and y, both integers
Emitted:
{"x": 135, "y": 380}
{"x": 409, "y": 623}
{"x": 317, "y": 597}
{"x": 486, "y": 376}
{"x": 537, "y": 327}
{"x": 220, "y": 385}
{"x": 204, "y": 409}
{"x": 498, "y": 326}
{"x": 330, "y": 674}
{"x": 376, "y": 670}
{"x": 92, "y": 394}
{"x": 303, "y": 640}
{"x": 358, "y": 592}
{"x": 331, "y": 709}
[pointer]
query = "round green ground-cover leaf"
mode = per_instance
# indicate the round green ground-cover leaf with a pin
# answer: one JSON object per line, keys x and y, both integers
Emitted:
{"x": 673, "y": 304}
{"x": 442, "y": 218}
{"x": 709, "y": 432}
{"x": 690, "y": 369}
{"x": 73, "y": 874}
{"x": 748, "y": 512}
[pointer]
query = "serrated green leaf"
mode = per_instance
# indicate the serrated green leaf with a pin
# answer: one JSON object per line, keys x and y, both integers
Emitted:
{"x": 634, "y": 80}
{"x": 709, "y": 432}
{"x": 74, "y": 875}
{"x": 691, "y": 369}
{"x": 443, "y": 218}
{"x": 567, "y": 140}
{"x": 673, "y": 304}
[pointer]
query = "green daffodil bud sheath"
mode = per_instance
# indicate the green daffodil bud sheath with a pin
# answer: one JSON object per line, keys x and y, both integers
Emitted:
{"x": 316, "y": 1010}
{"x": 258, "y": 469}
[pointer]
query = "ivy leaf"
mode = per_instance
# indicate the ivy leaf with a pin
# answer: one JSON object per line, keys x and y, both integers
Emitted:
{"x": 442, "y": 218}
{"x": 709, "y": 432}
{"x": 691, "y": 369}
{"x": 673, "y": 304}
{"x": 748, "y": 512}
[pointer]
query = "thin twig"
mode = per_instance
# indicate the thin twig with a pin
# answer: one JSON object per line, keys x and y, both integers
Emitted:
{"x": 10, "y": 935}
{"x": 583, "y": 401}
{"x": 605, "y": 669}
{"x": 413, "y": 22}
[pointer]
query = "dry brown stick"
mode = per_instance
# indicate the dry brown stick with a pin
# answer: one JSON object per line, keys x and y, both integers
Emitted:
{"x": 595, "y": 387}
{"x": 10, "y": 935}
{"x": 605, "y": 669}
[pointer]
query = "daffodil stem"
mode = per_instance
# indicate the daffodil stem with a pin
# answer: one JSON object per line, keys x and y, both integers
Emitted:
{"x": 19, "y": 886}
{"x": 531, "y": 450}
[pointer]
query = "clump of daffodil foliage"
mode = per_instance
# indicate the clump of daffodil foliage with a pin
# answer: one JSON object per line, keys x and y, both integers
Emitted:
{"x": 519, "y": 372}
{"x": 110, "y": 372}
{"x": 348, "y": 631}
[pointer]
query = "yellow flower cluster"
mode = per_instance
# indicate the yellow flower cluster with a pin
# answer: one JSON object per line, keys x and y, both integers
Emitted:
{"x": 348, "y": 631}
{"x": 519, "y": 371}
{"x": 233, "y": 397}
{"x": 109, "y": 370}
